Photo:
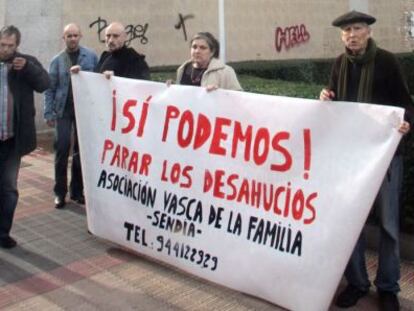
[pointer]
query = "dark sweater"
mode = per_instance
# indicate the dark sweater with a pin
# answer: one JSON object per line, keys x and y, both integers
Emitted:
{"x": 69, "y": 110}
{"x": 125, "y": 62}
{"x": 389, "y": 86}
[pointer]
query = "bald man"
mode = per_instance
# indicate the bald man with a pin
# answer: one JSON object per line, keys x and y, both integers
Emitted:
{"x": 120, "y": 60}
{"x": 59, "y": 113}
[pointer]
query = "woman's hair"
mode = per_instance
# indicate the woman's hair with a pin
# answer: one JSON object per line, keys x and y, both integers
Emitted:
{"x": 212, "y": 42}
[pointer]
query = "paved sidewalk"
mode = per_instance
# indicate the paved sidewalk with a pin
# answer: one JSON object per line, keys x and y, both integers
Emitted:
{"x": 57, "y": 265}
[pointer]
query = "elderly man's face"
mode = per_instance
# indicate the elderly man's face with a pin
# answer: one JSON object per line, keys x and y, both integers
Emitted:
{"x": 115, "y": 37}
{"x": 355, "y": 37}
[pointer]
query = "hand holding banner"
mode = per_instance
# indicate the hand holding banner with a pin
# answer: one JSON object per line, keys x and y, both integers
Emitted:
{"x": 263, "y": 194}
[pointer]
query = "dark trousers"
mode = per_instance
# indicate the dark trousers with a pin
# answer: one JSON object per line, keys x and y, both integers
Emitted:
{"x": 9, "y": 171}
{"x": 387, "y": 207}
{"x": 62, "y": 144}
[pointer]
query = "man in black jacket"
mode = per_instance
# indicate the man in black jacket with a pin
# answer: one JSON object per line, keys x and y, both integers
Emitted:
{"x": 20, "y": 75}
{"x": 365, "y": 73}
{"x": 120, "y": 60}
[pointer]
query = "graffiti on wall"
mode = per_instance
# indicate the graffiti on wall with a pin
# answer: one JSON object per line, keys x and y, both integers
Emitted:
{"x": 137, "y": 31}
{"x": 290, "y": 37}
{"x": 410, "y": 24}
{"x": 181, "y": 23}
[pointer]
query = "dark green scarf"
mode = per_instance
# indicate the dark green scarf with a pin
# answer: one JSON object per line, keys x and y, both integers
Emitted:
{"x": 367, "y": 73}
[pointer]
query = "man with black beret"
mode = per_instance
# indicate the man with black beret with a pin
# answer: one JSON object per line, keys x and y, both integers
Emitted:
{"x": 365, "y": 73}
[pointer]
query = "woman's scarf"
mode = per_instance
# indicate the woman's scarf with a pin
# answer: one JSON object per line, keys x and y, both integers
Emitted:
{"x": 367, "y": 73}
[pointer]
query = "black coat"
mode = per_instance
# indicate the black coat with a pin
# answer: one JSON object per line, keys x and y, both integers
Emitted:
{"x": 125, "y": 62}
{"x": 22, "y": 83}
{"x": 389, "y": 86}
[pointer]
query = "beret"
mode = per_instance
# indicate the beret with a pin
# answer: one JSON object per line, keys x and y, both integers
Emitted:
{"x": 353, "y": 17}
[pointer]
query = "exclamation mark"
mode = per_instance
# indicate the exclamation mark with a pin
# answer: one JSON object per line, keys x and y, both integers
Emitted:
{"x": 113, "y": 123}
{"x": 307, "y": 152}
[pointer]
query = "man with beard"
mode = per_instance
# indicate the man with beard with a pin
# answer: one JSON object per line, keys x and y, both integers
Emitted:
{"x": 121, "y": 60}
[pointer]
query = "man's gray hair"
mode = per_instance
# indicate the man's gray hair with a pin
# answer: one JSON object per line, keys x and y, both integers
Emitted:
{"x": 9, "y": 31}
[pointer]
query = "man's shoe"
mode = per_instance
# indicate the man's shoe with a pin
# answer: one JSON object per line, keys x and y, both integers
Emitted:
{"x": 8, "y": 242}
{"x": 59, "y": 202}
{"x": 388, "y": 301}
{"x": 349, "y": 297}
{"x": 78, "y": 199}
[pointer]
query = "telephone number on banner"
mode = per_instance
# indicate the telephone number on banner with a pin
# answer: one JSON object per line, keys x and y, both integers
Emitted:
{"x": 186, "y": 252}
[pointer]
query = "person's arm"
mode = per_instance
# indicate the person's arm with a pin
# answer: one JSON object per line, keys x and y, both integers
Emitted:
{"x": 227, "y": 80}
{"x": 49, "y": 113}
{"x": 34, "y": 74}
{"x": 330, "y": 92}
{"x": 88, "y": 62}
{"x": 94, "y": 60}
{"x": 333, "y": 78}
{"x": 101, "y": 60}
{"x": 400, "y": 92}
{"x": 141, "y": 70}
{"x": 232, "y": 83}
{"x": 179, "y": 73}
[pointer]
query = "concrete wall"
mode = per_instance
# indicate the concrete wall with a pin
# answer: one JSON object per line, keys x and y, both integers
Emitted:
{"x": 255, "y": 29}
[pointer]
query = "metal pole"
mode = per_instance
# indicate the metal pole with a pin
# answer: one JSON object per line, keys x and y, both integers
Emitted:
{"x": 222, "y": 31}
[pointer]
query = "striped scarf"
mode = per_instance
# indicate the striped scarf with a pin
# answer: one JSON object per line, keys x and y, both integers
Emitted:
{"x": 6, "y": 104}
{"x": 367, "y": 60}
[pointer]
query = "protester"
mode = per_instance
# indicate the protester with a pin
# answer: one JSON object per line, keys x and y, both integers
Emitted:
{"x": 120, "y": 60}
{"x": 204, "y": 68}
{"x": 20, "y": 75}
{"x": 59, "y": 113}
{"x": 366, "y": 73}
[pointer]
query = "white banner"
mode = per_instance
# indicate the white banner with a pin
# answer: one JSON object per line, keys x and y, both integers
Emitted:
{"x": 263, "y": 194}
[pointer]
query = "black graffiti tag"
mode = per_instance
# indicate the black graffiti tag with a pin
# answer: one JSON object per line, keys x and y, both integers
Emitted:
{"x": 133, "y": 31}
{"x": 137, "y": 32}
{"x": 102, "y": 24}
{"x": 181, "y": 23}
